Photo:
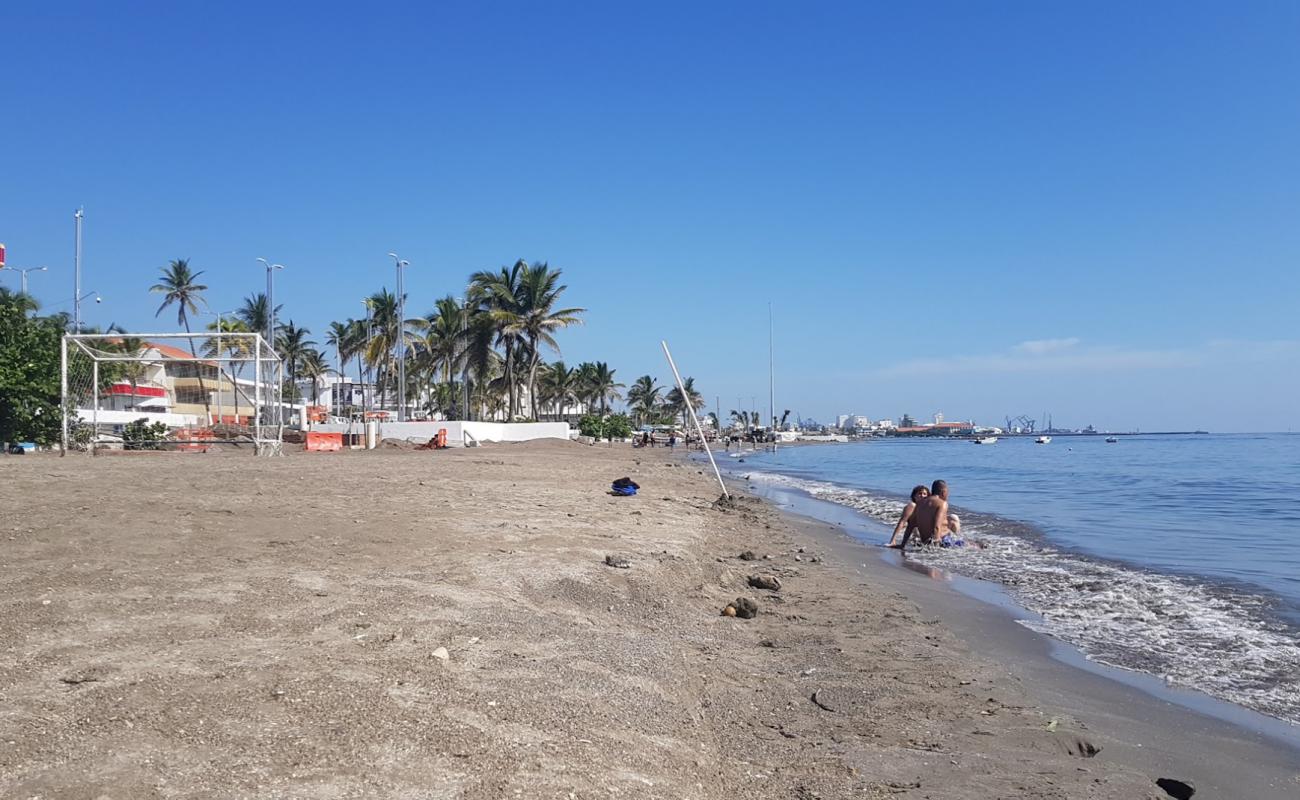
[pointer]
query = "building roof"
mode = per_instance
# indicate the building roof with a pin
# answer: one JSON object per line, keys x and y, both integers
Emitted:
{"x": 175, "y": 353}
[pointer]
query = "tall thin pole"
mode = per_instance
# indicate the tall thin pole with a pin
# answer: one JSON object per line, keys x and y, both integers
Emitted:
{"x": 368, "y": 394}
{"x": 464, "y": 373}
{"x": 686, "y": 399}
{"x": 771, "y": 375}
{"x": 771, "y": 372}
{"x": 76, "y": 305}
{"x": 257, "y": 394}
{"x": 63, "y": 387}
{"x": 401, "y": 347}
{"x": 401, "y": 340}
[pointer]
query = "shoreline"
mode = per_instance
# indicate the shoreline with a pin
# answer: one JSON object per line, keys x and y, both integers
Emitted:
{"x": 489, "y": 623}
{"x": 1220, "y": 747}
{"x": 1181, "y": 621}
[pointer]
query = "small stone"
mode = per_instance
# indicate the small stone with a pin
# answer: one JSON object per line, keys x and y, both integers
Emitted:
{"x": 441, "y": 654}
{"x": 748, "y": 555}
{"x": 768, "y": 582}
{"x": 745, "y": 608}
{"x": 729, "y": 611}
{"x": 618, "y": 562}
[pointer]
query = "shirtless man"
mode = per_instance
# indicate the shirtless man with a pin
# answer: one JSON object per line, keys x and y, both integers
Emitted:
{"x": 930, "y": 520}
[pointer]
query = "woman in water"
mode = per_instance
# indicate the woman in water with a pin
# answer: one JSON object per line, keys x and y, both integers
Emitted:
{"x": 919, "y": 493}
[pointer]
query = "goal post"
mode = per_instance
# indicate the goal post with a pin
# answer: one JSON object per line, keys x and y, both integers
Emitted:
{"x": 171, "y": 391}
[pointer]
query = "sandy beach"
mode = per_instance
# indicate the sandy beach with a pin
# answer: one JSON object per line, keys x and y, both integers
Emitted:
{"x": 447, "y": 624}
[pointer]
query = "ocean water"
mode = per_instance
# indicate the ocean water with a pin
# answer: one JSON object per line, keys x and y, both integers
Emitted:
{"x": 1177, "y": 556}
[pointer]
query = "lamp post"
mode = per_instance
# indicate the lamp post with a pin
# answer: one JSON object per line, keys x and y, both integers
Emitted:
{"x": 24, "y": 272}
{"x": 76, "y": 281}
{"x": 270, "y": 327}
{"x": 270, "y": 300}
{"x": 401, "y": 340}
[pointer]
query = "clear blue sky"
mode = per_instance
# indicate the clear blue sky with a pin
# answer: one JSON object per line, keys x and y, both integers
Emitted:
{"x": 981, "y": 208}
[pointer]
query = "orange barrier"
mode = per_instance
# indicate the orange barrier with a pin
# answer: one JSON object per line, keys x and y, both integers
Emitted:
{"x": 193, "y": 440}
{"x": 438, "y": 442}
{"x": 324, "y": 442}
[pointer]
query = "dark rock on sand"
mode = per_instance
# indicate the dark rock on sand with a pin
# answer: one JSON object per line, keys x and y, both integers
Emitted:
{"x": 1176, "y": 789}
{"x": 618, "y": 561}
{"x": 748, "y": 555}
{"x": 769, "y": 582}
{"x": 741, "y": 607}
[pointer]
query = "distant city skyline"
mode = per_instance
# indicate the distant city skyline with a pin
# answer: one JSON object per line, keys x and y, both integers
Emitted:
{"x": 989, "y": 210}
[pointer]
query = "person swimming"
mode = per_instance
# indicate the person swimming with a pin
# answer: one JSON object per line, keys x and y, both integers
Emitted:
{"x": 919, "y": 493}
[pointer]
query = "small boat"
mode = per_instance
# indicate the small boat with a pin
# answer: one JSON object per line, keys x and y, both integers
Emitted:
{"x": 1043, "y": 440}
{"x": 987, "y": 440}
{"x": 1111, "y": 439}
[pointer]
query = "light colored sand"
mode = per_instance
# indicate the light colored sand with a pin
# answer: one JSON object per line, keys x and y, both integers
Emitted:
{"x": 220, "y": 625}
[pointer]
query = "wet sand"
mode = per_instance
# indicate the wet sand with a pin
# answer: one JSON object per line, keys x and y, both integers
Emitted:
{"x": 419, "y": 624}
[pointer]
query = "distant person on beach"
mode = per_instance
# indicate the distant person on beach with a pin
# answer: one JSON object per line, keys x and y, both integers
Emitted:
{"x": 905, "y": 523}
{"x": 932, "y": 522}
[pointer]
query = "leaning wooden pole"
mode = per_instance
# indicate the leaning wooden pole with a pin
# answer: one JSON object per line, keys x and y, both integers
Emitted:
{"x": 700, "y": 432}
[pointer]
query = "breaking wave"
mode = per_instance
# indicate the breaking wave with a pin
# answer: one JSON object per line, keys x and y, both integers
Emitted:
{"x": 1220, "y": 639}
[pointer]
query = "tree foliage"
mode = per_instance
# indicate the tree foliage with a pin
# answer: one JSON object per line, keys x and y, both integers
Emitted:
{"x": 29, "y": 373}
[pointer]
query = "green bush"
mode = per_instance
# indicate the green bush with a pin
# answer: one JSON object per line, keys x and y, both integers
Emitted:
{"x": 618, "y": 426}
{"x": 615, "y": 426}
{"x": 591, "y": 425}
{"x": 140, "y": 435}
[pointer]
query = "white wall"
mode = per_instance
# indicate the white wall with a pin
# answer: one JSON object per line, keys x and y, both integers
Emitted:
{"x": 107, "y": 417}
{"x": 480, "y": 431}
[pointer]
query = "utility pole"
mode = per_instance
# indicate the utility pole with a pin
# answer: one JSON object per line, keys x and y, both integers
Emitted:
{"x": 76, "y": 291}
{"x": 401, "y": 340}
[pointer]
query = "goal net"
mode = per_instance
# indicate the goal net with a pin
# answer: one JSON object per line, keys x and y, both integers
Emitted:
{"x": 172, "y": 391}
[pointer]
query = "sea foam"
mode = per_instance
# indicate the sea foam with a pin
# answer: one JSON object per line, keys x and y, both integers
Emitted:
{"x": 1218, "y": 639}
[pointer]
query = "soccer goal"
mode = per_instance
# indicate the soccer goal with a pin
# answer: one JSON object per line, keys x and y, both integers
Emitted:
{"x": 172, "y": 391}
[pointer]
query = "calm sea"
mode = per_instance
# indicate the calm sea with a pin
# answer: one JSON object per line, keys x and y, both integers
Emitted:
{"x": 1177, "y": 556}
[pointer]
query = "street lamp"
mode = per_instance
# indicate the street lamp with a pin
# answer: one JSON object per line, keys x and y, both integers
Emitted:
{"x": 270, "y": 301}
{"x": 24, "y": 273}
{"x": 401, "y": 339}
{"x": 76, "y": 280}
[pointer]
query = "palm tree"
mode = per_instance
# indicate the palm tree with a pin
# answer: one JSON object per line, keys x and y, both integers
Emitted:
{"x": 134, "y": 370}
{"x": 358, "y": 336}
{"x": 539, "y": 318}
{"x": 601, "y": 386}
{"x": 337, "y": 337}
{"x": 294, "y": 346}
{"x": 442, "y": 348}
{"x": 255, "y": 313}
{"x": 236, "y": 346}
{"x": 677, "y": 402}
{"x": 383, "y": 338}
{"x": 746, "y": 419}
{"x": 643, "y": 397}
{"x": 179, "y": 285}
{"x": 560, "y": 385}
{"x": 315, "y": 366}
{"x": 497, "y": 296}
{"x": 24, "y": 302}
